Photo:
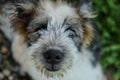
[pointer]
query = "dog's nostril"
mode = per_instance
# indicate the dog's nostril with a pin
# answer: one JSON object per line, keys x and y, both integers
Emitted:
{"x": 53, "y": 56}
{"x": 58, "y": 57}
{"x": 48, "y": 57}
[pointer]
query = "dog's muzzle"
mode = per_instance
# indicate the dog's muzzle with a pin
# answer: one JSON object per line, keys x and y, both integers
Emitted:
{"x": 53, "y": 58}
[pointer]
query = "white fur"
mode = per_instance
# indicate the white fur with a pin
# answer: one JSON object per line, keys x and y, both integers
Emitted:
{"x": 82, "y": 69}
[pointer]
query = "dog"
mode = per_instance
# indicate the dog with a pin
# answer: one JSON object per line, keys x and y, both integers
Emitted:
{"x": 51, "y": 39}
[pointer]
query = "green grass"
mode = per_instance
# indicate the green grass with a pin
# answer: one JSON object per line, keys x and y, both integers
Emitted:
{"x": 108, "y": 22}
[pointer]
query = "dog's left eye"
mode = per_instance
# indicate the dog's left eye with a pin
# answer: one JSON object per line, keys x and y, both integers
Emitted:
{"x": 71, "y": 33}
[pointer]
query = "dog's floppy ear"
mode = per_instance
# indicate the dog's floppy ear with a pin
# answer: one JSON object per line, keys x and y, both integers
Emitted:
{"x": 24, "y": 11}
{"x": 22, "y": 16}
{"x": 84, "y": 9}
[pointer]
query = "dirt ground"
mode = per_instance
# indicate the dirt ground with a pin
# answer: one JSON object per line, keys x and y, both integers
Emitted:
{"x": 9, "y": 69}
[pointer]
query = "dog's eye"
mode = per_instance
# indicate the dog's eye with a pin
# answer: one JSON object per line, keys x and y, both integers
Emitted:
{"x": 32, "y": 37}
{"x": 71, "y": 32}
{"x": 41, "y": 27}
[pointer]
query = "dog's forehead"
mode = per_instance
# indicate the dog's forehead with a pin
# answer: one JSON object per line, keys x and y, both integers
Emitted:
{"x": 57, "y": 12}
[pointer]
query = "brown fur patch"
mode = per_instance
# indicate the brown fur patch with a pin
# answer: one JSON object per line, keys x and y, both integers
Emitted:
{"x": 88, "y": 34}
{"x": 20, "y": 28}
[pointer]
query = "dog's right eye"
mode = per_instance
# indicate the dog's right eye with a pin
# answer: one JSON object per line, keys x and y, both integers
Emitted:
{"x": 41, "y": 27}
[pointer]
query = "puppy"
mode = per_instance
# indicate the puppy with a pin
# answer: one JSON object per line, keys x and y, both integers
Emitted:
{"x": 50, "y": 39}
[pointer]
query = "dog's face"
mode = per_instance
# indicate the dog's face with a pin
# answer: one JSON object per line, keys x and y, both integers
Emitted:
{"x": 56, "y": 33}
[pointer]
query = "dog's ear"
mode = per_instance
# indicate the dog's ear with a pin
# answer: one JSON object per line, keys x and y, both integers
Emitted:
{"x": 22, "y": 16}
{"x": 24, "y": 12}
{"x": 84, "y": 9}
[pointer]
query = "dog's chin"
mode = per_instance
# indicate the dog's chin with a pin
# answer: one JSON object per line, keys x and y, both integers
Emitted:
{"x": 58, "y": 70}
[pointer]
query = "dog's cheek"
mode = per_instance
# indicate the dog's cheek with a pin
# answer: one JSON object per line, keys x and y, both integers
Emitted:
{"x": 78, "y": 43}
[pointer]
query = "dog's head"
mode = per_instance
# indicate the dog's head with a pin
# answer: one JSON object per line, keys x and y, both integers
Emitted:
{"x": 55, "y": 32}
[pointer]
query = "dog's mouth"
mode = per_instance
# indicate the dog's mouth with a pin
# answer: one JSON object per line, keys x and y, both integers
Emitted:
{"x": 53, "y": 68}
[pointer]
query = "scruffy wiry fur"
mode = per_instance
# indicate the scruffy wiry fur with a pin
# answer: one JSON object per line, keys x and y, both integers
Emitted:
{"x": 39, "y": 26}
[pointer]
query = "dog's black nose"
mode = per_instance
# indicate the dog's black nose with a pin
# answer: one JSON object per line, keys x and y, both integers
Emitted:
{"x": 53, "y": 56}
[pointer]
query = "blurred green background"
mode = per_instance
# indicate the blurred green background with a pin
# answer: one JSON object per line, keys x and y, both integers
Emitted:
{"x": 108, "y": 23}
